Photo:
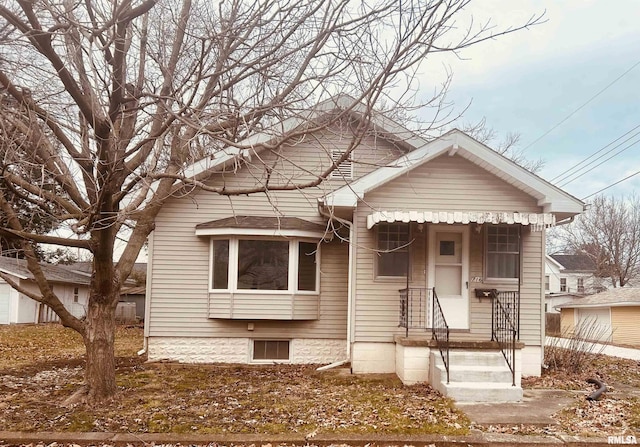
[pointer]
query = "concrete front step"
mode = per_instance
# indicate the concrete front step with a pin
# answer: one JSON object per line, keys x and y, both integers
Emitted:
{"x": 475, "y": 373}
{"x": 474, "y": 376}
{"x": 473, "y": 358}
{"x": 482, "y": 392}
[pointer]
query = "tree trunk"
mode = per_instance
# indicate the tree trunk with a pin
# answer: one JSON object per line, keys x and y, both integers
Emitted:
{"x": 100, "y": 371}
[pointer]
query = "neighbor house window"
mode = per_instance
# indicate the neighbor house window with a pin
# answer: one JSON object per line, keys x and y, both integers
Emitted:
{"x": 262, "y": 264}
{"x": 502, "y": 251}
{"x": 76, "y": 294}
{"x": 563, "y": 284}
{"x": 270, "y": 350}
{"x": 393, "y": 250}
{"x": 546, "y": 282}
{"x": 580, "y": 285}
{"x": 343, "y": 169}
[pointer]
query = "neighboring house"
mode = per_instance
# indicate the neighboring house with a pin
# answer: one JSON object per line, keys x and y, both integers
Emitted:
{"x": 555, "y": 285}
{"x": 136, "y": 295}
{"x": 357, "y": 269}
{"x": 72, "y": 288}
{"x": 134, "y": 290}
{"x": 612, "y": 315}
{"x": 570, "y": 277}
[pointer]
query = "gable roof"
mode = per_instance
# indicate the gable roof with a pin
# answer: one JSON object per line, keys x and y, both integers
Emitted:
{"x": 552, "y": 262}
{"x": 551, "y": 198}
{"x": 576, "y": 263}
{"x": 618, "y": 297}
{"x": 385, "y": 126}
{"x": 53, "y": 273}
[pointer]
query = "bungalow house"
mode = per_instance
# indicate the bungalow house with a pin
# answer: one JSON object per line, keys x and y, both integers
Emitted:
{"x": 420, "y": 258}
{"x": 610, "y": 316}
{"x": 71, "y": 287}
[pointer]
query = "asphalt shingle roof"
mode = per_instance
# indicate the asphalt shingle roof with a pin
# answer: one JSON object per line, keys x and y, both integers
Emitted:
{"x": 576, "y": 263}
{"x": 621, "y": 296}
{"x": 263, "y": 223}
{"x": 53, "y": 273}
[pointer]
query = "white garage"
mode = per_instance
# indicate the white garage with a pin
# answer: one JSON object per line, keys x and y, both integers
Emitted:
{"x": 5, "y": 291}
{"x": 596, "y": 321}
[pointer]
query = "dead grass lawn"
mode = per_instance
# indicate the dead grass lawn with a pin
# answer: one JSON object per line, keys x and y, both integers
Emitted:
{"x": 40, "y": 366}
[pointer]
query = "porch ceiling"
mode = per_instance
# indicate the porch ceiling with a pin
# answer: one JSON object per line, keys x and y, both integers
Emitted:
{"x": 537, "y": 221}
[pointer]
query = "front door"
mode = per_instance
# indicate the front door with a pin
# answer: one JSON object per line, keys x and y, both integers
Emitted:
{"x": 449, "y": 271}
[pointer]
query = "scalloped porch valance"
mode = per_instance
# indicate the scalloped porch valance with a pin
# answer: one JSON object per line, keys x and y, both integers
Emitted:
{"x": 537, "y": 221}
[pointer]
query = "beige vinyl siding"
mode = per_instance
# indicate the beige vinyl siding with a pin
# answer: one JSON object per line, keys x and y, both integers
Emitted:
{"x": 567, "y": 321}
{"x": 242, "y": 306}
{"x": 448, "y": 183}
{"x": 624, "y": 321}
{"x": 179, "y": 270}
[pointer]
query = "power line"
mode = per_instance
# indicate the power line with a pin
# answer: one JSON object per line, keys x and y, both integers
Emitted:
{"x": 612, "y": 185}
{"x": 602, "y": 162}
{"x": 581, "y": 107}
{"x": 565, "y": 173}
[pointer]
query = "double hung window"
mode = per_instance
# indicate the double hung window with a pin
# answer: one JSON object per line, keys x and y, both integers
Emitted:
{"x": 502, "y": 252}
{"x": 393, "y": 250}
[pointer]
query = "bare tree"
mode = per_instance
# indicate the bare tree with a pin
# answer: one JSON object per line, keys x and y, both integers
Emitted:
{"x": 118, "y": 99}
{"x": 508, "y": 146}
{"x": 609, "y": 233}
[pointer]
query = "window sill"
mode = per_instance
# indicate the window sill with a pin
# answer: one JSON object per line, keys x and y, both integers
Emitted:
{"x": 390, "y": 279}
{"x": 498, "y": 281}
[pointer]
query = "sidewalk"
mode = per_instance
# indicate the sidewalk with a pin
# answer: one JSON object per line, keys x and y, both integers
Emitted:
{"x": 474, "y": 439}
{"x": 614, "y": 351}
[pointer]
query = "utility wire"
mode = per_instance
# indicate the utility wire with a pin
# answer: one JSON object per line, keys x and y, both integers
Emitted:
{"x": 612, "y": 185}
{"x": 581, "y": 107}
{"x": 604, "y": 161}
{"x": 565, "y": 173}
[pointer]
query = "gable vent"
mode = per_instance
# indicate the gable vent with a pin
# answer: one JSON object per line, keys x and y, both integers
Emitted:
{"x": 344, "y": 169}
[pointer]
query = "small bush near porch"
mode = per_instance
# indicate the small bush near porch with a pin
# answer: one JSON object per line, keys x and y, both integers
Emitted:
{"x": 41, "y": 366}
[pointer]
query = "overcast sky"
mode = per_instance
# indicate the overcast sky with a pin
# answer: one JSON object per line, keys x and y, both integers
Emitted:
{"x": 529, "y": 82}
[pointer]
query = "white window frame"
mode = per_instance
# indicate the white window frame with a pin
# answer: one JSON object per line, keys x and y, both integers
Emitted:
{"x": 563, "y": 285}
{"x": 343, "y": 170}
{"x": 486, "y": 258}
{"x": 292, "y": 280}
{"x": 547, "y": 283}
{"x": 580, "y": 285}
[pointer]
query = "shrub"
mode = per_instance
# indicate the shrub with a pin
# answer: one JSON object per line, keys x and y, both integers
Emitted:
{"x": 575, "y": 349}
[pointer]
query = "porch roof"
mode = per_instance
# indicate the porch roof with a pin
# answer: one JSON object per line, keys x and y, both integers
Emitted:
{"x": 537, "y": 221}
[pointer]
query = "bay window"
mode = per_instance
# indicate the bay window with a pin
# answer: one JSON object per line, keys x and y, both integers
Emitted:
{"x": 264, "y": 265}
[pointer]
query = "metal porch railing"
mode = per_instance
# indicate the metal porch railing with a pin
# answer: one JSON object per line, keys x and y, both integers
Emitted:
{"x": 440, "y": 332}
{"x": 504, "y": 327}
{"x": 418, "y": 306}
{"x": 414, "y": 308}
